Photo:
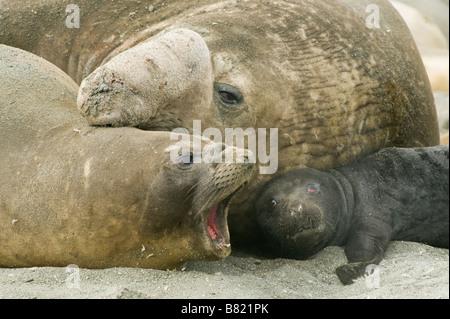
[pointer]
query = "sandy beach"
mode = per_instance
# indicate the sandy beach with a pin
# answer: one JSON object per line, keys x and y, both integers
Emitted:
{"x": 410, "y": 270}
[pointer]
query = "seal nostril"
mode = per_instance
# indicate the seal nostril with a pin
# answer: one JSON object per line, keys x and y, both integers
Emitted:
{"x": 245, "y": 160}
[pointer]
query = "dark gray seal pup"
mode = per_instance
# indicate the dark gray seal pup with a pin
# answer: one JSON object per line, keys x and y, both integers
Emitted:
{"x": 394, "y": 194}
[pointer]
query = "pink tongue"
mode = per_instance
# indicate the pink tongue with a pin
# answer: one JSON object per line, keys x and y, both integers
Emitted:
{"x": 211, "y": 222}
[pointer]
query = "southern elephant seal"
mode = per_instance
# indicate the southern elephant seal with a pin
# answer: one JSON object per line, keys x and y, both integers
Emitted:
{"x": 101, "y": 197}
{"x": 335, "y": 85}
{"x": 394, "y": 194}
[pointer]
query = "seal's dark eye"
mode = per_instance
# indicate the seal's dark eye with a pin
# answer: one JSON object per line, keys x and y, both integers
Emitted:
{"x": 185, "y": 160}
{"x": 228, "y": 97}
{"x": 228, "y": 94}
{"x": 313, "y": 189}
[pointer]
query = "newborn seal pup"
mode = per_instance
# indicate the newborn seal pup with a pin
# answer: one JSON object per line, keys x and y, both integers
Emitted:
{"x": 102, "y": 197}
{"x": 394, "y": 194}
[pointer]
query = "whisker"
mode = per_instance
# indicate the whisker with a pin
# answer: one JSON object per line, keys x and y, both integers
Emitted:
{"x": 217, "y": 193}
{"x": 192, "y": 188}
{"x": 211, "y": 193}
{"x": 204, "y": 205}
{"x": 207, "y": 191}
{"x": 191, "y": 194}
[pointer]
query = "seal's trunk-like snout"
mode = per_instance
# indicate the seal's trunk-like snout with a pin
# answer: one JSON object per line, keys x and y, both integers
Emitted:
{"x": 141, "y": 82}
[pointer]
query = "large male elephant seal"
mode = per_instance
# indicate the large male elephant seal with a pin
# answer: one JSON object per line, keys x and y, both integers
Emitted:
{"x": 101, "y": 197}
{"x": 394, "y": 194}
{"x": 339, "y": 79}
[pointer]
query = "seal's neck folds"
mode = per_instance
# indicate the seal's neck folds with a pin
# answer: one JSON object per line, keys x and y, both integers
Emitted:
{"x": 347, "y": 203}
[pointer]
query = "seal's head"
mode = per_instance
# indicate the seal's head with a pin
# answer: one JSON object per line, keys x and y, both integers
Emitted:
{"x": 188, "y": 220}
{"x": 299, "y": 211}
{"x": 211, "y": 194}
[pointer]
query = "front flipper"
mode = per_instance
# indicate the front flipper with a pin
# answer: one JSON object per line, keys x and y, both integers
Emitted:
{"x": 366, "y": 246}
{"x": 351, "y": 271}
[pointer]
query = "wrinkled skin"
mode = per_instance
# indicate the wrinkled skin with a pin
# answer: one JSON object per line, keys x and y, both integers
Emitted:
{"x": 101, "y": 197}
{"x": 335, "y": 89}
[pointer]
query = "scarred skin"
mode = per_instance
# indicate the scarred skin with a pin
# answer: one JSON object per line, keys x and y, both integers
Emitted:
{"x": 336, "y": 90}
{"x": 101, "y": 197}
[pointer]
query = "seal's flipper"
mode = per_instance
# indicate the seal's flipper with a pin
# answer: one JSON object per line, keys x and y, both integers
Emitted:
{"x": 349, "y": 272}
{"x": 366, "y": 246}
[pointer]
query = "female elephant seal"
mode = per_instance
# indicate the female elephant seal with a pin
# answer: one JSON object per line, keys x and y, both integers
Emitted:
{"x": 394, "y": 194}
{"x": 336, "y": 87}
{"x": 100, "y": 197}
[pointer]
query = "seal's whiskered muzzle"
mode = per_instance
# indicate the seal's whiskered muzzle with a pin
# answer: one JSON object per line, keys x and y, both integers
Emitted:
{"x": 213, "y": 199}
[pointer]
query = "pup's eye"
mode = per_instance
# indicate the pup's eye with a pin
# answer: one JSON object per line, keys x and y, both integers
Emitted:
{"x": 185, "y": 160}
{"x": 272, "y": 203}
{"x": 313, "y": 189}
{"x": 228, "y": 94}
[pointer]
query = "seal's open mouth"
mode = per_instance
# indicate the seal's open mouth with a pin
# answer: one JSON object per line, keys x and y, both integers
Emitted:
{"x": 217, "y": 225}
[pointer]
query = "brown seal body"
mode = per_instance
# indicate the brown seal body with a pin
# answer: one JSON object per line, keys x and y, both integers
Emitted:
{"x": 336, "y": 87}
{"x": 100, "y": 197}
